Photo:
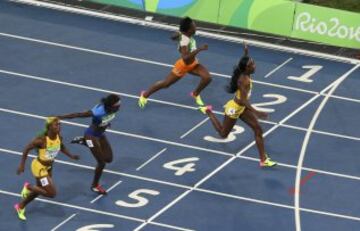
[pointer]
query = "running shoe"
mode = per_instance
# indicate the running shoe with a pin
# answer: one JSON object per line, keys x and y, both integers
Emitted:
{"x": 98, "y": 189}
{"x": 198, "y": 99}
{"x": 20, "y": 212}
{"x": 78, "y": 140}
{"x": 205, "y": 109}
{"x": 267, "y": 163}
{"x": 25, "y": 192}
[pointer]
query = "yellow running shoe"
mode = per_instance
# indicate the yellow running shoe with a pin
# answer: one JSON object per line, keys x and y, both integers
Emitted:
{"x": 25, "y": 192}
{"x": 198, "y": 99}
{"x": 267, "y": 163}
{"x": 142, "y": 100}
{"x": 205, "y": 109}
{"x": 20, "y": 212}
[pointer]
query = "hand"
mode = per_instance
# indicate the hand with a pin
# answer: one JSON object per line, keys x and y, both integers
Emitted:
{"x": 204, "y": 47}
{"x": 262, "y": 115}
{"x": 246, "y": 48}
{"x": 20, "y": 170}
{"x": 75, "y": 157}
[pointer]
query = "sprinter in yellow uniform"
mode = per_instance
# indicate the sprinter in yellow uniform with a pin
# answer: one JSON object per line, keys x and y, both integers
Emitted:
{"x": 48, "y": 143}
{"x": 240, "y": 107}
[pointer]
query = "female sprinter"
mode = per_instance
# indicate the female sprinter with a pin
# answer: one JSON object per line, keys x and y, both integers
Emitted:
{"x": 48, "y": 144}
{"x": 240, "y": 107}
{"x": 188, "y": 63}
{"x": 94, "y": 137}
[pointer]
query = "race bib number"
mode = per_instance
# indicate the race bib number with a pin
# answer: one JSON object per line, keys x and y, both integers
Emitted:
{"x": 44, "y": 181}
{"x": 89, "y": 143}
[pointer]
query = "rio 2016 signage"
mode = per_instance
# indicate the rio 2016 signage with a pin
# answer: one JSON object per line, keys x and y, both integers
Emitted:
{"x": 327, "y": 25}
{"x": 319, "y": 24}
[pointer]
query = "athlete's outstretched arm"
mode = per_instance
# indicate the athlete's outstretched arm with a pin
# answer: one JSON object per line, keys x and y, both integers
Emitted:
{"x": 76, "y": 115}
{"x": 246, "y": 49}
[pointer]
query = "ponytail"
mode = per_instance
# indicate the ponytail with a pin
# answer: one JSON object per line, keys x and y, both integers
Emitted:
{"x": 238, "y": 70}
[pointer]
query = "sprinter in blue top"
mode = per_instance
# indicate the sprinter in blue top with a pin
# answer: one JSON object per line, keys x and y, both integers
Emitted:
{"x": 94, "y": 138}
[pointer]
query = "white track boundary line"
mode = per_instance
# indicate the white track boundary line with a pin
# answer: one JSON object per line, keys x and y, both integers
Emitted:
{"x": 151, "y": 62}
{"x": 76, "y": 207}
{"x": 321, "y": 132}
{"x": 350, "y": 177}
{"x": 278, "y": 67}
{"x": 108, "y": 190}
{"x": 165, "y": 102}
{"x": 81, "y": 86}
{"x": 318, "y": 171}
{"x": 295, "y": 112}
{"x": 122, "y": 133}
{"x": 151, "y": 159}
{"x": 194, "y": 128}
{"x": 185, "y": 146}
{"x": 8, "y": 151}
{"x": 227, "y": 162}
{"x": 175, "y": 28}
{"x": 314, "y": 211}
{"x": 142, "y": 60}
{"x": 65, "y": 221}
{"x": 305, "y": 145}
{"x": 206, "y": 190}
{"x": 163, "y": 150}
{"x": 96, "y": 211}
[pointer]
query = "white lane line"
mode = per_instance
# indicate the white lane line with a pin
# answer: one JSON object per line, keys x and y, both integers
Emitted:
{"x": 161, "y": 64}
{"x": 345, "y": 98}
{"x": 151, "y": 159}
{"x": 230, "y": 160}
{"x": 321, "y": 132}
{"x": 228, "y": 195}
{"x": 97, "y": 211}
{"x": 143, "y": 60}
{"x": 306, "y": 142}
{"x": 314, "y": 211}
{"x": 265, "y": 134}
{"x": 227, "y": 162}
{"x": 121, "y": 133}
{"x": 162, "y": 210}
{"x": 318, "y": 171}
{"x": 184, "y": 135}
{"x": 196, "y": 148}
{"x": 80, "y": 86}
{"x": 62, "y": 223}
{"x": 140, "y": 60}
{"x": 105, "y": 170}
{"x": 195, "y": 127}
{"x": 77, "y": 207}
{"x": 278, "y": 67}
{"x": 108, "y": 190}
{"x": 166, "y": 102}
